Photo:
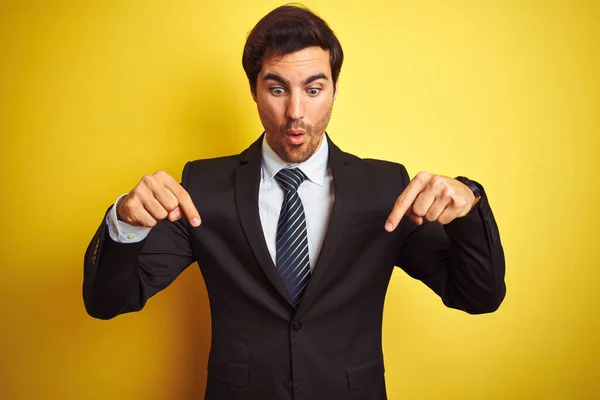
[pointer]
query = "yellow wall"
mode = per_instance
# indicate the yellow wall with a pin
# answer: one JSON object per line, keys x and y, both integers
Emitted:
{"x": 94, "y": 94}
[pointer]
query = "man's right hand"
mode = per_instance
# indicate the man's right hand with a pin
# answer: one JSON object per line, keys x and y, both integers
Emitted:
{"x": 155, "y": 198}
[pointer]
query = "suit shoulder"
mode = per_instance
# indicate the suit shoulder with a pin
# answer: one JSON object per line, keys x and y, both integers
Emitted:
{"x": 376, "y": 172}
{"x": 213, "y": 163}
{"x": 209, "y": 167}
{"x": 376, "y": 165}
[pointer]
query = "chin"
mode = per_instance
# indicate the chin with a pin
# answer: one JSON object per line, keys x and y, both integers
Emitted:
{"x": 293, "y": 157}
{"x": 297, "y": 154}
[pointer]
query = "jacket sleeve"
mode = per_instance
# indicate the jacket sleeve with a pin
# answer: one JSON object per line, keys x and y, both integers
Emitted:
{"x": 121, "y": 277}
{"x": 463, "y": 261}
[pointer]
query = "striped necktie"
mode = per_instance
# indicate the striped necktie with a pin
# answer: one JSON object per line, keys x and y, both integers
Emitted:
{"x": 292, "y": 240}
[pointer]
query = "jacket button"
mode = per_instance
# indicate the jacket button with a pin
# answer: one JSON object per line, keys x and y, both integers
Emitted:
{"x": 296, "y": 326}
{"x": 289, "y": 385}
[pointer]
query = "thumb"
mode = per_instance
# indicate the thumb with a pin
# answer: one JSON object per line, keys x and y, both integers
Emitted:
{"x": 414, "y": 217}
{"x": 174, "y": 215}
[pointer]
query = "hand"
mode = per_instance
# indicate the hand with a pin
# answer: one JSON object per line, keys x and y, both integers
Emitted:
{"x": 433, "y": 197}
{"x": 155, "y": 198}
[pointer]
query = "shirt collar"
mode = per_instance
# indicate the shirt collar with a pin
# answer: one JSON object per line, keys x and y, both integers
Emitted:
{"x": 314, "y": 168}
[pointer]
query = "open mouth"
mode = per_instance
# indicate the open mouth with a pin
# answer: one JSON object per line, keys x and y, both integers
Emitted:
{"x": 295, "y": 137}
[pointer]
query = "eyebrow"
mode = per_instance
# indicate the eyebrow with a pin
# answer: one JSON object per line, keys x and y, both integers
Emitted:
{"x": 274, "y": 77}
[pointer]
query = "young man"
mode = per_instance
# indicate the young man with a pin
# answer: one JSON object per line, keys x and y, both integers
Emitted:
{"x": 298, "y": 239}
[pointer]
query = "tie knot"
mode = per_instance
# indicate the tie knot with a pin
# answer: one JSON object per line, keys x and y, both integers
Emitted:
{"x": 290, "y": 179}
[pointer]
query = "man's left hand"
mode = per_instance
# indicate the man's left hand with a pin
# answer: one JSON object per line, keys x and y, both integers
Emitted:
{"x": 431, "y": 197}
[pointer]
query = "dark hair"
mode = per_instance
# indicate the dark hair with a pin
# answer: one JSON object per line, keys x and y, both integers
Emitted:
{"x": 286, "y": 30}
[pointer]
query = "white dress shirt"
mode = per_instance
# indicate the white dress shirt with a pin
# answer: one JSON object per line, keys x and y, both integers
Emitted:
{"x": 316, "y": 193}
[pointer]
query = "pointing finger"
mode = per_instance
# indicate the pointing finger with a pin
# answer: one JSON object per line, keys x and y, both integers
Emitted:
{"x": 405, "y": 201}
{"x": 186, "y": 205}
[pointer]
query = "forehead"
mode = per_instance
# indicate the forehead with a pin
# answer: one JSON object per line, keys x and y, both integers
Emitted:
{"x": 299, "y": 64}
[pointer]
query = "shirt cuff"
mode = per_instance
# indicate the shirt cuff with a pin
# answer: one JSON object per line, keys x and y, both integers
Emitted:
{"x": 122, "y": 232}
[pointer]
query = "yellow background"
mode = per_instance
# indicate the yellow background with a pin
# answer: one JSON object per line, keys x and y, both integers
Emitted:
{"x": 95, "y": 94}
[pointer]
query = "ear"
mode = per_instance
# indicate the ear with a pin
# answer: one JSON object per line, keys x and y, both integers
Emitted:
{"x": 252, "y": 92}
{"x": 337, "y": 87}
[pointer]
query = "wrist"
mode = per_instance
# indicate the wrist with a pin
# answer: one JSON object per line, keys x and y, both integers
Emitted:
{"x": 474, "y": 187}
{"x": 117, "y": 207}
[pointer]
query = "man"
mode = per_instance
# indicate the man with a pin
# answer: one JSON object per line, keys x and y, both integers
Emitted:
{"x": 298, "y": 239}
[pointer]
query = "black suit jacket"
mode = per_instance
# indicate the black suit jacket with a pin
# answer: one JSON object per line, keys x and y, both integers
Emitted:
{"x": 330, "y": 346}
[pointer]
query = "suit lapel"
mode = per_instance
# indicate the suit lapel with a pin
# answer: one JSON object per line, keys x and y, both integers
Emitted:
{"x": 342, "y": 181}
{"x": 247, "y": 183}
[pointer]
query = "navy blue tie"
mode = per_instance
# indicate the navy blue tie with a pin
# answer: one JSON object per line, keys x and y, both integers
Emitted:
{"x": 292, "y": 240}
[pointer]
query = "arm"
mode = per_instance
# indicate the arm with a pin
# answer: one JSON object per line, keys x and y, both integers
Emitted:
{"x": 462, "y": 261}
{"x": 120, "y": 277}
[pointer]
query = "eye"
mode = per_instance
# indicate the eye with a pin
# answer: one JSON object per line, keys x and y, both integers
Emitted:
{"x": 313, "y": 92}
{"x": 277, "y": 91}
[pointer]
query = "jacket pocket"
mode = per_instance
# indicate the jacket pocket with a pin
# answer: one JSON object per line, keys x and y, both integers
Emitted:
{"x": 234, "y": 373}
{"x": 364, "y": 374}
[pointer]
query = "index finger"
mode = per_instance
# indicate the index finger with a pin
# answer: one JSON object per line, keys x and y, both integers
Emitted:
{"x": 404, "y": 202}
{"x": 185, "y": 201}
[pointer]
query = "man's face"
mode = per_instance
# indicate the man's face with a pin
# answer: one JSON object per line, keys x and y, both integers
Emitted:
{"x": 294, "y": 96}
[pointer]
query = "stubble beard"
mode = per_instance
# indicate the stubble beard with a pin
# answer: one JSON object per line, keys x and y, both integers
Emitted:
{"x": 313, "y": 135}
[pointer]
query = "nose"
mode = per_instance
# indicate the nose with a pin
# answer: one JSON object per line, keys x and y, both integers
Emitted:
{"x": 295, "y": 107}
